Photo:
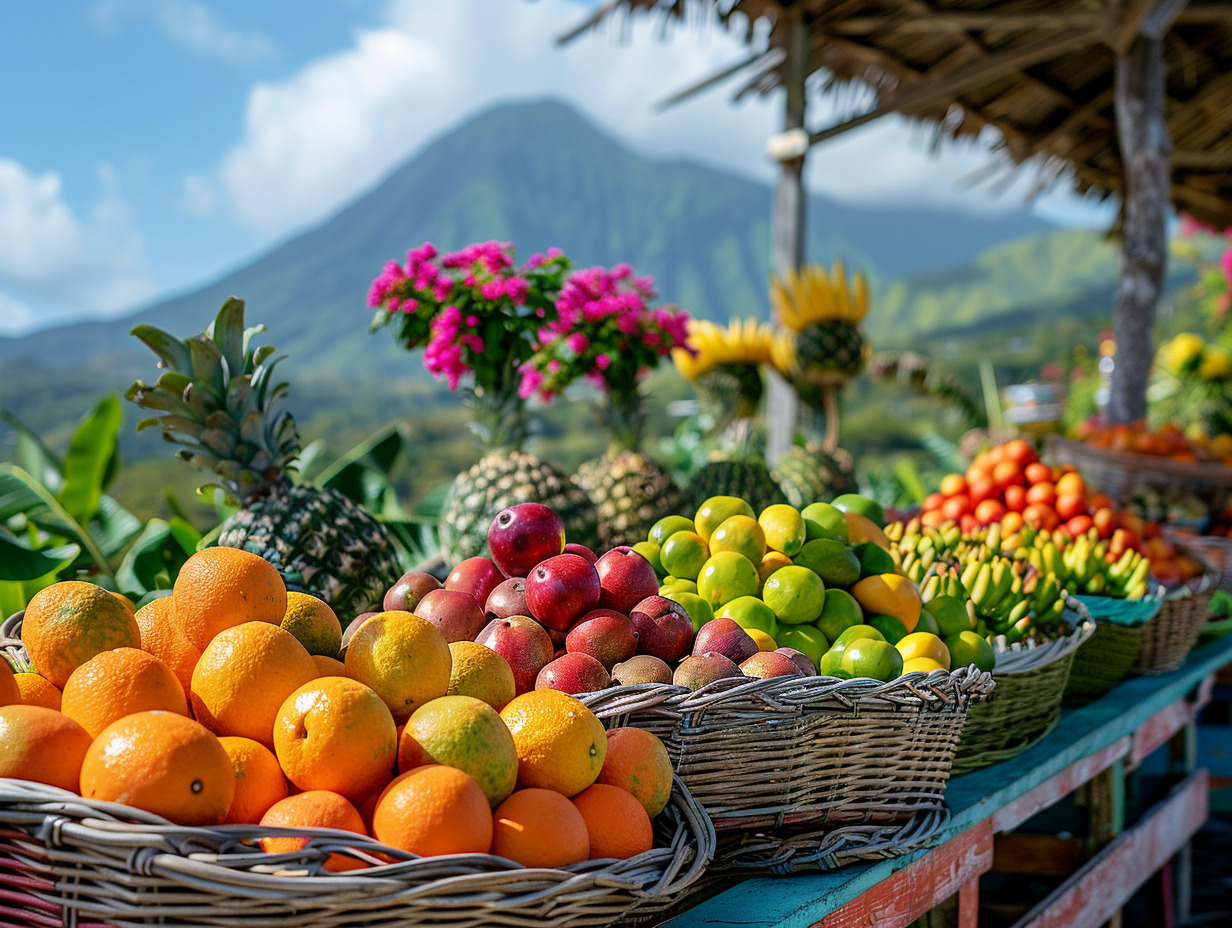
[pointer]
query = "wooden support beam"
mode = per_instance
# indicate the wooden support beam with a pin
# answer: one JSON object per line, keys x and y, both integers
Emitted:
{"x": 1060, "y": 784}
{"x": 951, "y": 21}
{"x": 1041, "y": 855}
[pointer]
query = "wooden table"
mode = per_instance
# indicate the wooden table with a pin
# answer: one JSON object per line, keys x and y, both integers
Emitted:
{"x": 1095, "y": 745}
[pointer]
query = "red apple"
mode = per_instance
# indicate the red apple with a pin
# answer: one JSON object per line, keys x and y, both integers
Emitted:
{"x": 803, "y": 662}
{"x": 353, "y": 627}
{"x": 509, "y": 598}
{"x": 455, "y": 614}
{"x": 625, "y": 579}
{"x": 521, "y": 641}
{"x": 562, "y": 589}
{"x": 604, "y": 634}
{"x": 523, "y": 535}
{"x": 664, "y": 629}
{"x": 581, "y": 551}
{"x": 411, "y": 587}
{"x": 725, "y": 637}
{"x": 573, "y": 674}
{"x": 477, "y": 576}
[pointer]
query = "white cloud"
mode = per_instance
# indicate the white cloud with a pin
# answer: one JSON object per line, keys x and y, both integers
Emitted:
{"x": 190, "y": 24}
{"x": 97, "y": 263}
{"x": 16, "y": 317}
{"x": 313, "y": 141}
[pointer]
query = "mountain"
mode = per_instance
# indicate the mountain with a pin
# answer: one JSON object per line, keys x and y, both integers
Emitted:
{"x": 537, "y": 174}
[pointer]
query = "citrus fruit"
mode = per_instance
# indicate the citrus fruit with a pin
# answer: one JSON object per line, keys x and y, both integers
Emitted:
{"x": 616, "y": 823}
{"x": 742, "y": 534}
{"x": 161, "y": 636}
{"x": 10, "y": 692}
{"x": 259, "y": 782}
{"x": 650, "y": 551}
{"x": 673, "y": 585}
{"x": 861, "y": 529}
{"x": 317, "y": 808}
{"x": 830, "y": 663}
{"x": 717, "y": 510}
{"x": 769, "y": 563}
{"x": 866, "y": 657}
{"x": 967, "y": 648}
{"x": 726, "y": 576}
{"x": 784, "y": 528}
{"x": 637, "y": 762}
{"x": 432, "y": 811}
{"x": 243, "y": 677}
{"x": 796, "y": 594}
{"x": 951, "y": 615}
{"x": 892, "y": 629}
{"x": 749, "y": 612}
{"x": 890, "y": 594}
{"x": 163, "y": 763}
{"x": 831, "y": 560}
{"x": 37, "y": 691}
{"x": 870, "y": 509}
{"x": 668, "y": 526}
{"x": 762, "y": 639}
{"x": 69, "y": 622}
{"x": 404, "y": 658}
{"x": 328, "y": 666}
{"x": 466, "y": 733}
{"x": 313, "y": 623}
{"x": 926, "y": 623}
{"x": 922, "y": 644}
{"x": 218, "y": 588}
{"x": 43, "y": 745}
{"x": 540, "y": 828}
{"x": 806, "y": 639}
{"x": 856, "y": 632}
{"x": 821, "y": 520}
{"x": 924, "y": 664}
{"x": 117, "y": 683}
{"x": 698, "y": 609}
{"x": 873, "y": 559}
{"x": 839, "y": 612}
{"x": 335, "y": 733}
{"x": 480, "y": 672}
{"x": 560, "y": 743}
{"x": 683, "y": 555}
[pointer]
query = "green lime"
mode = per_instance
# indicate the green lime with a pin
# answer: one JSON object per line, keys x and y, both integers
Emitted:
{"x": 784, "y": 528}
{"x": 927, "y": 623}
{"x": 855, "y": 633}
{"x": 821, "y": 520}
{"x": 863, "y": 505}
{"x": 832, "y": 661}
{"x": 831, "y": 560}
{"x": 804, "y": 638}
{"x": 873, "y": 559}
{"x": 839, "y": 612}
{"x": 741, "y": 534}
{"x": 796, "y": 594}
{"x": 727, "y": 576}
{"x": 878, "y": 660}
{"x": 676, "y": 585}
{"x": 683, "y": 554}
{"x": 750, "y": 612}
{"x": 717, "y": 510}
{"x": 698, "y": 609}
{"x": 650, "y": 551}
{"x": 668, "y": 526}
{"x": 891, "y": 628}
{"x": 968, "y": 648}
{"x": 951, "y": 615}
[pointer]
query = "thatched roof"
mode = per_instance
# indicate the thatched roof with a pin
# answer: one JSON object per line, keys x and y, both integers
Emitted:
{"x": 1039, "y": 71}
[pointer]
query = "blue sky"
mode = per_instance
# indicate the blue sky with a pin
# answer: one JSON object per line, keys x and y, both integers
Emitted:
{"x": 148, "y": 145}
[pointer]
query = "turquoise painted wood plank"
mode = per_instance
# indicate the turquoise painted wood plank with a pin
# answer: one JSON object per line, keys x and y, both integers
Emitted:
{"x": 803, "y": 900}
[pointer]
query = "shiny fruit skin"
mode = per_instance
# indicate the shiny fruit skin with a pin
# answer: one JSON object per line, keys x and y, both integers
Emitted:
{"x": 561, "y": 590}
{"x": 525, "y": 535}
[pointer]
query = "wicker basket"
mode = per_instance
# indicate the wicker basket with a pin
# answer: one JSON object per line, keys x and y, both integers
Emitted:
{"x": 1112, "y": 651}
{"x": 1170, "y": 636}
{"x": 1215, "y": 550}
{"x": 68, "y": 861}
{"x": 1031, "y": 679}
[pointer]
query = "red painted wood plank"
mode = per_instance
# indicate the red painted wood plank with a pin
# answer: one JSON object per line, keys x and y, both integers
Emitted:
{"x": 1158, "y": 730}
{"x": 1064, "y": 782}
{"x": 923, "y": 884}
{"x": 1105, "y": 883}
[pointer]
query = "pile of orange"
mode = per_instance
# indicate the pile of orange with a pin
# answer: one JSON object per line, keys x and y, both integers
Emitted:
{"x": 206, "y": 707}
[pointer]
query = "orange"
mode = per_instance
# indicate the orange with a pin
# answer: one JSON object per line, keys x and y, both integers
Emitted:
{"x": 403, "y": 657}
{"x": 259, "y": 782}
{"x": 10, "y": 692}
{"x": 163, "y": 763}
{"x": 952, "y": 485}
{"x": 117, "y": 683}
{"x": 540, "y": 828}
{"x": 161, "y": 636}
{"x": 616, "y": 822}
{"x": 561, "y": 744}
{"x": 432, "y": 811}
{"x": 318, "y": 808}
{"x": 42, "y": 745}
{"x": 243, "y": 677}
{"x": 313, "y": 623}
{"x": 218, "y": 588}
{"x": 889, "y": 594}
{"x": 329, "y": 666}
{"x": 462, "y": 732}
{"x": 480, "y": 672}
{"x": 337, "y": 734}
{"x": 637, "y": 762}
{"x": 37, "y": 691}
{"x": 69, "y": 622}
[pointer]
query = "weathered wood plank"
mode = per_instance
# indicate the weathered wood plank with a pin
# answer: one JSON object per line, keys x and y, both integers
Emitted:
{"x": 908, "y": 894}
{"x": 1096, "y": 892}
{"x": 1060, "y": 784}
{"x": 1044, "y": 855}
{"x": 1159, "y": 729}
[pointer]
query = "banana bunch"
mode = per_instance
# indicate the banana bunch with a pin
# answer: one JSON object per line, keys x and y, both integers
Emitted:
{"x": 744, "y": 341}
{"x": 813, "y": 296}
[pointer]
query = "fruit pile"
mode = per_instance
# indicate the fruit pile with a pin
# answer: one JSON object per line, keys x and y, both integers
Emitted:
{"x": 1167, "y": 441}
{"x": 233, "y": 701}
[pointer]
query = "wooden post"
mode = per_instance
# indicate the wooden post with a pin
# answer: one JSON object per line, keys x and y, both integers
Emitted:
{"x": 787, "y": 218}
{"x": 1142, "y": 132}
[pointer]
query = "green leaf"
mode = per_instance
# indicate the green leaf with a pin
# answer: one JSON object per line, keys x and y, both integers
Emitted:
{"x": 113, "y": 526}
{"x": 152, "y": 561}
{"x": 50, "y": 515}
{"x": 33, "y": 455}
{"x": 19, "y": 562}
{"x": 89, "y": 453}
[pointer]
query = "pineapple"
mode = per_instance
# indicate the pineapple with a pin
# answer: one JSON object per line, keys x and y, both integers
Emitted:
{"x": 217, "y": 398}
{"x": 808, "y": 474}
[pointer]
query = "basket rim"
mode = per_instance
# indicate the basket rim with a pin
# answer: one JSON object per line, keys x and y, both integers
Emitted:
{"x": 1213, "y": 473}
{"x": 1032, "y": 654}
